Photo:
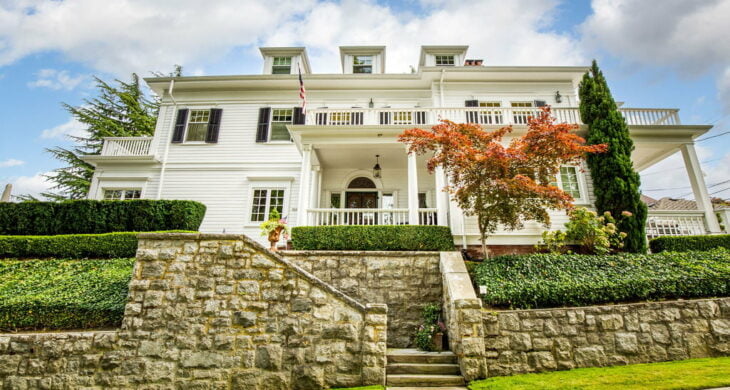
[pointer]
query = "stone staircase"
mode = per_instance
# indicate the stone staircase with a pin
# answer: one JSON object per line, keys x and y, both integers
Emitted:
{"x": 411, "y": 368}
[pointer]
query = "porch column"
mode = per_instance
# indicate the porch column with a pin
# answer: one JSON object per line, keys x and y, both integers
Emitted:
{"x": 305, "y": 182}
{"x": 702, "y": 198}
{"x": 412, "y": 189}
{"x": 316, "y": 183}
{"x": 442, "y": 198}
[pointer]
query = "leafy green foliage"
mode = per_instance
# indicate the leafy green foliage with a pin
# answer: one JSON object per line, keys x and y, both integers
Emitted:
{"x": 423, "y": 339}
{"x": 594, "y": 234}
{"x": 689, "y": 243}
{"x": 118, "y": 111}
{"x": 99, "y": 216}
{"x": 63, "y": 294}
{"x": 70, "y": 246}
{"x": 616, "y": 183}
{"x": 553, "y": 280}
{"x": 274, "y": 222}
{"x": 373, "y": 238}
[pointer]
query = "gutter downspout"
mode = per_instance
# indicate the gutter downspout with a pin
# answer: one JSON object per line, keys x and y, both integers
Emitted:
{"x": 167, "y": 144}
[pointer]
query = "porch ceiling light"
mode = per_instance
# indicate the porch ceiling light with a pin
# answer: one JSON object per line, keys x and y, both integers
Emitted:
{"x": 376, "y": 169}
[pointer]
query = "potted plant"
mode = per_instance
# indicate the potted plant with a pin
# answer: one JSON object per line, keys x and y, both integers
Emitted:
{"x": 431, "y": 335}
{"x": 274, "y": 227}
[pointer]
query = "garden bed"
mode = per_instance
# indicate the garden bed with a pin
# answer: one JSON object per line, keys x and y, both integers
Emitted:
{"x": 62, "y": 293}
{"x": 553, "y": 280}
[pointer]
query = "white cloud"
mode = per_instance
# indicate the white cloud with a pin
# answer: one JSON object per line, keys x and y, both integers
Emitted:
{"x": 31, "y": 185}
{"x": 137, "y": 35}
{"x": 71, "y": 128}
{"x": 11, "y": 162}
{"x": 688, "y": 36}
{"x": 55, "y": 79}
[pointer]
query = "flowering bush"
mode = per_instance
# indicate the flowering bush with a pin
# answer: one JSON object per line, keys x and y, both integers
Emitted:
{"x": 432, "y": 325}
{"x": 594, "y": 234}
{"x": 275, "y": 222}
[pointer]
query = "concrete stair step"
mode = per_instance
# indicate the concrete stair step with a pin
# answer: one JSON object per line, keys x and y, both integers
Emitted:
{"x": 407, "y": 355}
{"x": 424, "y": 369}
{"x": 424, "y": 380}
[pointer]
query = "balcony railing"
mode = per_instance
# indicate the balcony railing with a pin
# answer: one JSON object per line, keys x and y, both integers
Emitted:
{"x": 480, "y": 115}
{"x": 126, "y": 146}
{"x": 675, "y": 223}
{"x": 322, "y": 217}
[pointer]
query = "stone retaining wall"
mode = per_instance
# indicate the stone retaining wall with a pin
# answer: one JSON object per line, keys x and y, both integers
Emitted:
{"x": 405, "y": 281}
{"x": 523, "y": 341}
{"x": 212, "y": 311}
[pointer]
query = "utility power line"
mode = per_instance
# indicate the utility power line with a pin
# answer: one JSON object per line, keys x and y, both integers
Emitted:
{"x": 682, "y": 167}
{"x": 713, "y": 136}
{"x": 681, "y": 188}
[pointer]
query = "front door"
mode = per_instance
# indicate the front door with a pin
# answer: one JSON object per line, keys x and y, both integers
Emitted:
{"x": 361, "y": 200}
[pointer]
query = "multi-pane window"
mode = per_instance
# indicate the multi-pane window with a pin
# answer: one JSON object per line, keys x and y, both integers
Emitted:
{"x": 521, "y": 112}
{"x": 442, "y": 60}
{"x": 341, "y": 118}
{"x": 490, "y": 117}
{"x": 122, "y": 194}
{"x": 197, "y": 125}
{"x": 569, "y": 181}
{"x": 362, "y": 64}
{"x": 280, "y": 117}
{"x": 264, "y": 201}
{"x": 403, "y": 118}
{"x": 281, "y": 65}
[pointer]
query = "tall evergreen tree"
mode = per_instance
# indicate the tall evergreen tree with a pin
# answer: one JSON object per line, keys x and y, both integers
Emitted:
{"x": 615, "y": 182}
{"x": 121, "y": 110}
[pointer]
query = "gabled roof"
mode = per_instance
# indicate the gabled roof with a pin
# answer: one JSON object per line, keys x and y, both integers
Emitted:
{"x": 441, "y": 49}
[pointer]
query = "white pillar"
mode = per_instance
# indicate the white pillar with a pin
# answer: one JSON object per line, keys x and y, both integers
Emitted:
{"x": 702, "y": 198}
{"x": 305, "y": 182}
{"x": 316, "y": 182}
{"x": 442, "y": 197}
{"x": 412, "y": 189}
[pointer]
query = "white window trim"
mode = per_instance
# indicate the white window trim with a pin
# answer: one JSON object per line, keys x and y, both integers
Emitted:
{"x": 185, "y": 142}
{"x": 124, "y": 188}
{"x": 582, "y": 185}
{"x": 435, "y": 59}
{"x": 271, "y": 127}
{"x": 119, "y": 183}
{"x": 264, "y": 185}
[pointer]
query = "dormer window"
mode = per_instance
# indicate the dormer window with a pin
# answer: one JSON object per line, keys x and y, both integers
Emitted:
{"x": 362, "y": 64}
{"x": 281, "y": 65}
{"x": 444, "y": 60}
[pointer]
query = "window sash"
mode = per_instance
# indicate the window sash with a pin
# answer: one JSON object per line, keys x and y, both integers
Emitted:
{"x": 281, "y": 65}
{"x": 197, "y": 125}
{"x": 265, "y": 200}
{"x": 122, "y": 193}
{"x": 568, "y": 180}
{"x": 445, "y": 60}
{"x": 362, "y": 64}
{"x": 280, "y": 117}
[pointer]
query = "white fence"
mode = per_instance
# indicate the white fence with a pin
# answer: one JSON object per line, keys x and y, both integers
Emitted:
{"x": 675, "y": 223}
{"x": 480, "y": 115}
{"x": 126, "y": 146}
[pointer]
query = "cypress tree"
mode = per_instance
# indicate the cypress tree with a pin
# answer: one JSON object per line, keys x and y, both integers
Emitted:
{"x": 615, "y": 182}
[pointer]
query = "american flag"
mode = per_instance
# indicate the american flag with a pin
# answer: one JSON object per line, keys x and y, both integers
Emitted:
{"x": 302, "y": 92}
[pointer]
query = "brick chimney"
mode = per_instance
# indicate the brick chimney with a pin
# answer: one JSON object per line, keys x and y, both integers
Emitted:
{"x": 473, "y": 62}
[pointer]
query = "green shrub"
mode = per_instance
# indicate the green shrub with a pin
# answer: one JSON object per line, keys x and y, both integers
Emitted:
{"x": 689, "y": 243}
{"x": 553, "y": 280}
{"x": 373, "y": 238}
{"x": 63, "y": 294}
{"x": 75, "y": 246}
{"x": 99, "y": 216}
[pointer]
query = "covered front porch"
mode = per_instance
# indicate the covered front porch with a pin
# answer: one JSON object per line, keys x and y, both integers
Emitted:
{"x": 341, "y": 185}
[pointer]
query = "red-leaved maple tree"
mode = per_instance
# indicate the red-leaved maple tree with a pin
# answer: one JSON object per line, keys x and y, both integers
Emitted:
{"x": 503, "y": 185}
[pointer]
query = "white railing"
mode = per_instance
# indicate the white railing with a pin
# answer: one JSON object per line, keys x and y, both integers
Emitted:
{"x": 126, "y": 146}
{"x": 480, "y": 115}
{"x": 320, "y": 217}
{"x": 675, "y": 223}
{"x": 427, "y": 217}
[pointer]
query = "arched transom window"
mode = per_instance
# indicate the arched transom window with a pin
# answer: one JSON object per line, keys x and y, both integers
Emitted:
{"x": 361, "y": 182}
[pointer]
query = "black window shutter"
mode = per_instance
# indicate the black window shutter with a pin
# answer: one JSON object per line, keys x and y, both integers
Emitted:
{"x": 179, "y": 131}
{"x": 321, "y": 118}
{"x": 357, "y": 118}
{"x": 384, "y": 118}
{"x": 540, "y": 103}
{"x": 262, "y": 130}
{"x": 471, "y": 103}
{"x": 298, "y": 116}
{"x": 214, "y": 124}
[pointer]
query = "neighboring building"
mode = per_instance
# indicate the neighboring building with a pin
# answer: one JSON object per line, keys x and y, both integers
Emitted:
{"x": 666, "y": 214}
{"x": 242, "y": 145}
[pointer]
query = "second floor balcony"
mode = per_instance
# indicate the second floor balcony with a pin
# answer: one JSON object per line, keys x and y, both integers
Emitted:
{"x": 480, "y": 115}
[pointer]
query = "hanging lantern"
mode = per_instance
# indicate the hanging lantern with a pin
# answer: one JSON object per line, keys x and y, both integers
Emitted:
{"x": 376, "y": 169}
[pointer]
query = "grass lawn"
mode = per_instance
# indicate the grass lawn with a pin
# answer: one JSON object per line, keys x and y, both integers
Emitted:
{"x": 684, "y": 374}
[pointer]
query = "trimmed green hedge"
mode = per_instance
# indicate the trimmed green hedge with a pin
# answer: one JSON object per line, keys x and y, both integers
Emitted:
{"x": 75, "y": 246}
{"x": 63, "y": 294}
{"x": 549, "y": 280}
{"x": 99, "y": 216}
{"x": 373, "y": 238}
{"x": 689, "y": 243}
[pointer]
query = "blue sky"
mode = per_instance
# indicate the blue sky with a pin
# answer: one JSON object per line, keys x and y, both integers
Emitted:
{"x": 49, "y": 51}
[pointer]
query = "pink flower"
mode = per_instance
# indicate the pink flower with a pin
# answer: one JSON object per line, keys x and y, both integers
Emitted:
{"x": 627, "y": 213}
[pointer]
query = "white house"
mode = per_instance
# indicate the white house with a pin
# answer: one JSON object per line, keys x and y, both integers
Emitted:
{"x": 242, "y": 145}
